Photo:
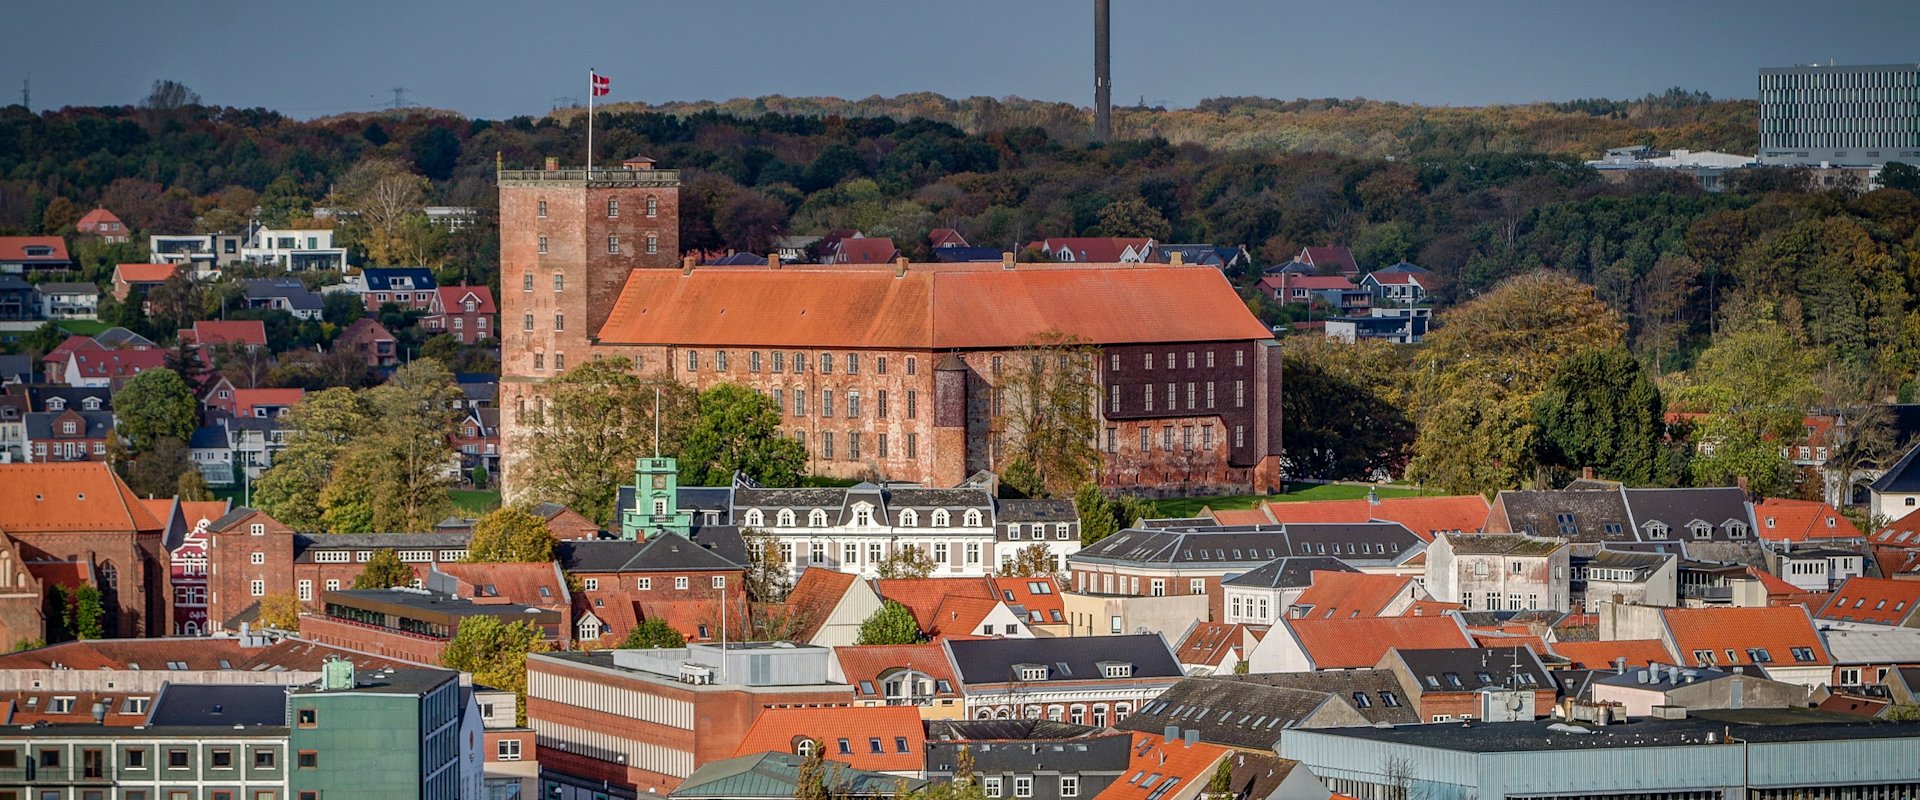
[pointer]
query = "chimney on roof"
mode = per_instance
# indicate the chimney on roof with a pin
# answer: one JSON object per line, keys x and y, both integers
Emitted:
{"x": 773, "y": 260}
{"x": 553, "y": 163}
{"x": 1620, "y": 666}
{"x": 1171, "y": 733}
{"x": 1193, "y": 737}
{"x": 1177, "y": 259}
{"x": 686, "y": 265}
{"x": 1586, "y": 472}
{"x": 900, "y": 267}
{"x": 1006, "y": 260}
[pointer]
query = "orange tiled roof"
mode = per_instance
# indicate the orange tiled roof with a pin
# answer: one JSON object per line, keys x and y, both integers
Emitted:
{"x": 1881, "y": 601}
{"x": 1338, "y": 595}
{"x": 1784, "y": 520}
{"x": 930, "y": 307}
{"x": 1727, "y": 630}
{"x": 958, "y": 615}
{"x": 1491, "y": 640}
{"x": 237, "y": 331}
{"x": 450, "y": 297}
{"x": 923, "y": 596}
{"x": 97, "y": 217}
{"x": 1238, "y": 516}
{"x": 209, "y": 510}
{"x": 697, "y": 619}
{"x": 36, "y": 706}
{"x": 1601, "y": 655}
{"x": 1186, "y": 765}
{"x": 522, "y": 584}
{"x": 1422, "y": 515}
{"x": 615, "y": 608}
{"x": 197, "y": 653}
{"x": 814, "y": 597}
{"x": 1430, "y": 608}
{"x": 848, "y": 735}
{"x": 244, "y": 400}
{"x": 1017, "y": 591}
{"x": 14, "y": 248}
{"x": 870, "y": 662}
{"x": 1359, "y": 642}
{"x": 1210, "y": 642}
{"x": 144, "y": 273}
{"x": 84, "y": 496}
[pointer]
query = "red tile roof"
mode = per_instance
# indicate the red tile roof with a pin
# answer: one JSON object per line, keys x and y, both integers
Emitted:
{"x": 1881, "y": 601}
{"x": 1186, "y": 766}
{"x": 814, "y": 597}
{"x": 1392, "y": 278}
{"x": 866, "y": 250}
{"x": 118, "y": 363}
{"x": 522, "y": 584}
{"x": 615, "y": 609}
{"x": 1423, "y": 515}
{"x": 93, "y": 220}
{"x": 197, "y": 653}
{"x": 1043, "y": 608}
{"x": 1295, "y": 280}
{"x": 72, "y": 344}
{"x": 923, "y": 596}
{"x": 14, "y": 248}
{"x": 698, "y": 619}
{"x": 1337, "y": 595}
{"x": 85, "y": 496}
{"x": 1210, "y": 643}
{"x": 1430, "y": 608}
{"x": 1736, "y": 630}
{"x": 451, "y": 297}
{"x": 144, "y": 273}
{"x": 778, "y": 730}
{"x": 1238, "y": 516}
{"x": 958, "y": 616}
{"x": 930, "y": 307}
{"x": 195, "y": 510}
{"x": 1359, "y": 642}
{"x": 1334, "y": 256}
{"x": 244, "y": 400}
{"x": 873, "y": 662}
{"x": 219, "y": 332}
{"x": 1784, "y": 520}
{"x": 1601, "y": 655}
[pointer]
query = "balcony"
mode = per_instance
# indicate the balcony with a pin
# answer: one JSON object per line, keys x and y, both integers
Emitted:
{"x": 599, "y": 177}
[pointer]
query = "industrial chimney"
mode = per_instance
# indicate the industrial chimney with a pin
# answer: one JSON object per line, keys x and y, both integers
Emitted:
{"x": 1102, "y": 73}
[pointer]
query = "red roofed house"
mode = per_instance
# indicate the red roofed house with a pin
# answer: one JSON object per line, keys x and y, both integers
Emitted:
{"x": 863, "y": 250}
{"x": 102, "y": 223}
{"x": 1637, "y": 653}
{"x": 1336, "y": 260}
{"x": 1312, "y": 645}
{"x": 83, "y": 512}
{"x": 828, "y": 606}
{"x": 1799, "y": 521}
{"x": 1096, "y": 249}
{"x": 1874, "y": 601}
{"x": 539, "y": 584}
{"x": 945, "y": 237}
{"x": 1338, "y": 595}
{"x": 1216, "y": 648}
{"x": 916, "y": 675}
{"x": 370, "y": 341}
{"x": 886, "y": 739}
{"x": 1297, "y": 288}
{"x": 467, "y": 312}
{"x": 131, "y": 278}
{"x": 1780, "y": 639}
{"x": 20, "y": 254}
{"x": 1425, "y": 516}
{"x": 217, "y": 332}
{"x": 973, "y": 616}
{"x": 1175, "y": 769}
{"x": 265, "y": 403}
{"x": 1039, "y": 597}
{"x": 96, "y": 366}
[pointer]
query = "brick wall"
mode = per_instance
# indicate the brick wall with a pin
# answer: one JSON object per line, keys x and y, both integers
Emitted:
{"x": 390, "y": 644}
{"x": 231, "y": 571}
{"x": 139, "y": 602}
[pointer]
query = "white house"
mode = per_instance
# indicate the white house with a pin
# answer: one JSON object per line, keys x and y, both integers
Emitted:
{"x": 1819, "y": 569}
{"x": 1499, "y": 572}
{"x": 294, "y": 250}
{"x": 856, "y": 529}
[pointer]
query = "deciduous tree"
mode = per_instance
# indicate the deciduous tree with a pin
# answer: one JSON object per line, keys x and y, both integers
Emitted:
{"x": 737, "y": 430}
{"x": 892, "y": 623}
{"x": 653, "y": 634}
{"x": 384, "y": 570}
{"x": 1048, "y": 398}
{"x": 1755, "y": 386}
{"x": 495, "y": 653}
{"x": 1600, "y": 410}
{"x": 590, "y": 425}
{"x": 1032, "y": 561}
{"x": 280, "y": 611}
{"x": 906, "y": 561}
{"x": 155, "y": 404}
{"x": 510, "y": 534}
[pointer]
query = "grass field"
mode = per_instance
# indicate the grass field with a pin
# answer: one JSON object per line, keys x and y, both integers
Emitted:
{"x": 1190, "y": 506}
{"x": 473, "y": 503}
{"x": 84, "y": 327}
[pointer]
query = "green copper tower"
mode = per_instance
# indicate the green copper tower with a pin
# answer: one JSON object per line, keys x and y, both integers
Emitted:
{"x": 656, "y": 501}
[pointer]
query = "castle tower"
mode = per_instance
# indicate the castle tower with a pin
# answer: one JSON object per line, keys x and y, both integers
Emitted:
{"x": 568, "y": 239}
{"x": 656, "y": 501}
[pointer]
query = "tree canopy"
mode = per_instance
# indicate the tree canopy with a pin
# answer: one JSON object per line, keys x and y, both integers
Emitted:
{"x": 384, "y": 570}
{"x": 1601, "y": 410}
{"x": 653, "y": 633}
{"x": 892, "y": 623}
{"x": 495, "y": 653}
{"x": 510, "y": 534}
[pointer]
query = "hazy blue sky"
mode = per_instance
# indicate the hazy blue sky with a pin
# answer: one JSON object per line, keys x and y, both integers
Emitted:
{"x": 497, "y": 58}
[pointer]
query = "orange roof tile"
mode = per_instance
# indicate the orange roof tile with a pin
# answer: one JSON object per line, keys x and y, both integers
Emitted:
{"x": 197, "y": 652}
{"x": 1881, "y": 601}
{"x": 1043, "y": 608}
{"x": 1491, "y": 640}
{"x": 1780, "y": 592}
{"x": 1784, "y": 520}
{"x": 85, "y": 496}
{"x": 849, "y": 735}
{"x": 1335, "y": 595}
{"x": 244, "y": 400}
{"x": 530, "y": 584}
{"x": 873, "y": 662}
{"x": 1601, "y": 655}
{"x": 615, "y": 609}
{"x": 1211, "y": 642}
{"x": 923, "y": 596}
{"x": 958, "y": 615}
{"x": 1176, "y": 762}
{"x": 209, "y": 510}
{"x": 14, "y": 248}
{"x": 1730, "y": 632}
{"x": 930, "y": 307}
{"x": 697, "y": 619}
{"x": 450, "y": 297}
{"x": 1359, "y": 642}
{"x": 1903, "y": 532}
{"x": 237, "y": 331}
{"x": 144, "y": 273}
{"x": 97, "y": 217}
{"x": 814, "y": 597}
{"x": 1425, "y": 516}
{"x": 1430, "y": 608}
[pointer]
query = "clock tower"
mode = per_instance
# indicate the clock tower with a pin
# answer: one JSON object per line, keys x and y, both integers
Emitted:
{"x": 655, "y": 507}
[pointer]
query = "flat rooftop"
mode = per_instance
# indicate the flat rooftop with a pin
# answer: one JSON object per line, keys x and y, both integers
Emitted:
{"x": 397, "y": 681}
{"x": 1752, "y": 725}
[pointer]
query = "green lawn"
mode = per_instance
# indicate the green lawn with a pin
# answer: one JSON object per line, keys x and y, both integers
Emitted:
{"x": 473, "y": 502}
{"x": 1190, "y": 506}
{"x": 84, "y": 327}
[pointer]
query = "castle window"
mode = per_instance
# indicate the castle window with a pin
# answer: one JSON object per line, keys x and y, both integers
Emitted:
{"x": 853, "y": 406}
{"x": 883, "y": 445}
{"x": 543, "y": 245}
{"x": 613, "y": 244}
{"x": 539, "y": 360}
{"x": 559, "y": 322}
{"x": 826, "y": 404}
{"x": 826, "y": 363}
{"x": 912, "y": 403}
{"x": 527, "y": 322}
{"x": 881, "y": 411}
{"x": 559, "y": 281}
{"x": 799, "y": 363}
{"x": 1209, "y": 359}
{"x": 910, "y": 365}
{"x": 779, "y": 361}
{"x": 1209, "y": 394}
{"x": 785, "y": 518}
{"x": 780, "y": 400}
{"x": 693, "y": 360}
{"x": 1113, "y": 440}
{"x": 526, "y": 282}
{"x": 1189, "y": 359}
{"x": 720, "y": 360}
{"x": 853, "y": 445}
{"x": 1149, "y": 396}
{"x": 613, "y": 207}
{"x": 972, "y": 518}
{"x": 799, "y": 402}
{"x": 1239, "y": 394}
{"x": 913, "y": 445}
{"x": 880, "y": 364}
{"x": 996, "y": 366}
{"x": 1148, "y": 360}
{"x": 1189, "y": 395}
{"x": 1170, "y": 363}
{"x": 653, "y": 206}
{"x": 826, "y": 444}
{"x": 753, "y": 362}
{"x": 541, "y": 209}
{"x": 653, "y": 243}
{"x": 559, "y": 362}
{"x": 1113, "y": 399}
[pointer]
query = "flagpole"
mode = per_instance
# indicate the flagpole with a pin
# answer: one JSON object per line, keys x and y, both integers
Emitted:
{"x": 592, "y": 89}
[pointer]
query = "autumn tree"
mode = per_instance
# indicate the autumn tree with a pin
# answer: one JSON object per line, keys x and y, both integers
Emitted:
{"x": 810, "y": 780}
{"x": 1601, "y": 410}
{"x": 384, "y": 570}
{"x": 510, "y": 534}
{"x": 1755, "y": 386}
{"x": 892, "y": 623}
{"x": 906, "y": 561}
{"x": 192, "y": 487}
{"x": 155, "y": 404}
{"x": 386, "y": 200}
{"x": 322, "y": 425}
{"x": 1344, "y": 420}
{"x": 653, "y": 633}
{"x": 412, "y": 415}
{"x": 769, "y": 577}
{"x": 1048, "y": 395}
{"x": 495, "y": 653}
{"x": 1481, "y": 369}
{"x": 737, "y": 430}
{"x": 280, "y": 611}
{"x": 591, "y": 424}
{"x": 1133, "y": 218}
{"x": 1032, "y": 561}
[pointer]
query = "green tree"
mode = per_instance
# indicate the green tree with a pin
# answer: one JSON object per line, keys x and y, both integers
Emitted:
{"x": 1221, "y": 784}
{"x": 384, "y": 570}
{"x": 280, "y": 611}
{"x": 1032, "y": 561}
{"x": 193, "y": 487}
{"x": 323, "y": 424}
{"x": 1601, "y": 410}
{"x": 1049, "y": 396}
{"x": 413, "y": 414}
{"x": 655, "y": 634}
{"x": 495, "y": 653}
{"x": 157, "y": 472}
{"x": 1481, "y": 369}
{"x": 1755, "y": 385}
{"x": 89, "y": 613}
{"x": 1133, "y": 218}
{"x": 592, "y": 423}
{"x": 1341, "y": 419}
{"x": 155, "y": 404}
{"x": 737, "y": 430}
{"x": 1902, "y": 176}
{"x": 810, "y": 782}
{"x": 1096, "y": 514}
{"x": 906, "y": 561}
{"x": 892, "y": 623}
{"x": 510, "y": 534}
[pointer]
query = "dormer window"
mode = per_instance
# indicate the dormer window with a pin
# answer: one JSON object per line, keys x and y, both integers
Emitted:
{"x": 972, "y": 518}
{"x": 1032, "y": 672}
{"x": 56, "y": 404}
{"x": 1656, "y": 530}
{"x": 785, "y": 518}
{"x": 755, "y": 518}
{"x": 817, "y": 518}
{"x": 90, "y": 404}
{"x": 941, "y": 518}
{"x": 1116, "y": 669}
{"x": 863, "y": 515}
{"x": 909, "y": 519}
{"x": 1737, "y": 530}
{"x": 1701, "y": 530}
{"x": 68, "y": 427}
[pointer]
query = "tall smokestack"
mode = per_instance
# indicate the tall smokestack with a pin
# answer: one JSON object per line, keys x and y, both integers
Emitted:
{"x": 1102, "y": 72}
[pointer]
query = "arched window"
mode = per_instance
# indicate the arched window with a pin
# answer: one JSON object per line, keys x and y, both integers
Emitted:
{"x": 804, "y": 747}
{"x": 526, "y": 282}
{"x": 972, "y": 518}
{"x": 983, "y": 714}
{"x": 816, "y": 518}
{"x": 653, "y": 244}
{"x": 909, "y": 519}
{"x": 941, "y": 518}
{"x": 755, "y": 518}
{"x": 1003, "y": 713}
{"x": 653, "y": 206}
{"x": 109, "y": 577}
{"x": 785, "y": 518}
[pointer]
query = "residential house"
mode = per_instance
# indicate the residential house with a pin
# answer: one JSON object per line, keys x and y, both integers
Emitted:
{"x": 738, "y": 260}
{"x": 1309, "y": 645}
{"x": 863, "y": 250}
{"x": 1639, "y": 692}
{"x": 1205, "y": 255}
{"x": 1614, "y": 576}
{"x": 1343, "y": 594}
{"x": 918, "y": 676}
{"x": 309, "y": 565}
{"x": 23, "y": 254}
{"x": 1062, "y": 679}
{"x": 1873, "y": 601}
{"x": 1333, "y": 260}
{"x": 1380, "y": 323}
{"x": 693, "y": 583}
{"x": 1092, "y": 613}
{"x": 1081, "y": 761}
{"x": 1495, "y": 684}
{"x": 13, "y": 428}
{"x": 1616, "y": 654}
{"x": 827, "y": 606}
{"x": 1494, "y": 572}
{"x": 968, "y": 255}
{"x": 283, "y": 294}
{"x": 250, "y": 333}
{"x": 857, "y": 528}
{"x": 794, "y": 249}
{"x": 1176, "y": 769}
{"x": 946, "y": 238}
{"x": 371, "y": 342}
{"x": 55, "y": 436}
{"x": 1896, "y": 493}
{"x": 1401, "y": 289}
{"x": 887, "y": 739}
{"x": 1816, "y": 569}
{"x": 100, "y": 367}
{"x": 294, "y": 250}
{"x": 1024, "y": 523}
{"x": 1216, "y": 648}
{"x": 1426, "y": 517}
{"x": 103, "y": 224}
{"x": 539, "y": 585}
{"x": 203, "y": 252}
{"x": 1036, "y": 600}
{"x": 954, "y": 606}
{"x": 1096, "y": 249}
{"x": 1263, "y": 595}
{"x": 1716, "y": 520}
{"x": 467, "y": 312}
{"x": 258, "y": 403}
{"x": 1780, "y": 640}
{"x": 1247, "y": 715}
{"x": 254, "y": 441}
{"x": 1300, "y": 288}
{"x": 406, "y": 287}
{"x": 1865, "y": 655}
{"x": 477, "y": 439}
{"x": 18, "y": 300}
{"x": 1784, "y": 521}
{"x": 64, "y": 301}
{"x": 452, "y": 218}
{"x": 131, "y": 280}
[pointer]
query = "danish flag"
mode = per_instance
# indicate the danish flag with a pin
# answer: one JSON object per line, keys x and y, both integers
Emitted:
{"x": 601, "y": 84}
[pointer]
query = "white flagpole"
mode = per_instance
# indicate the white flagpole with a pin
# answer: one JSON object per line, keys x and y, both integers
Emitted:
{"x": 593, "y": 88}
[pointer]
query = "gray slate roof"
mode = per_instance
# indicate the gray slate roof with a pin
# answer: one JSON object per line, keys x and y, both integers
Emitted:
{"x": 1231, "y": 713}
{"x": 1254, "y": 545}
{"x": 223, "y": 705}
{"x": 1287, "y": 573}
{"x": 662, "y": 553}
{"x": 1721, "y": 508}
{"x": 1463, "y": 669}
{"x": 1596, "y": 516}
{"x": 40, "y": 424}
{"x": 1343, "y": 684}
{"x": 983, "y": 661}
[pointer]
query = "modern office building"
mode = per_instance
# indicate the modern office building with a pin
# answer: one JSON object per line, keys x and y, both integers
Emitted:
{"x": 1840, "y": 115}
{"x": 391, "y": 733}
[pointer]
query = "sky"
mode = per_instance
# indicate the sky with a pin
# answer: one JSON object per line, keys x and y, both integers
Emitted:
{"x": 499, "y": 58}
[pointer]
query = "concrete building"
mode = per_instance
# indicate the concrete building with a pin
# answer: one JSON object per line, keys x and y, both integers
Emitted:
{"x": 294, "y": 250}
{"x": 1264, "y": 594}
{"x": 1613, "y": 576}
{"x": 1499, "y": 572}
{"x": 1695, "y": 689}
{"x": 1099, "y": 614}
{"x": 1848, "y": 115}
{"x": 391, "y": 733}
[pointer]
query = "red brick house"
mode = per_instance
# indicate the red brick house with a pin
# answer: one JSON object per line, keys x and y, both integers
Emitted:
{"x": 1334, "y": 259}
{"x": 58, "y": 436}
{"x": 1447, "y": 684}
{"x": 371, "y": 341}
{"x": 102, "y": 223}
{"x": 216, "y": 332}
{"x": 85, "y": 513}
{"x": 249, "y": 556}
{"x": 669, "y": 577}
{"x": 131, "y": 278}
{"x": 467, "y": 312}
{"x": 864, "y": 250}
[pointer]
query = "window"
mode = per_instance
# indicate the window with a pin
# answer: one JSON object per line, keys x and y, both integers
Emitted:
{"x": 257, "y": 558}
{"x": 307, "y": 717}
{"x": 653, "y": 206}
{"x": 223, "y": 758}
{"x": 653, "y": 243}
{"x": 559, "y": 322}
{"x": 913, "y": 407}
{"x": 259, "y": 588}
{"x": 1070, "y": 784}
{"x": 508, "y": 750}
{"x": 136, "y": 759}
{"x": 680, "y": 582}
{"x": 613, "y": 207}
{"x": 543, "y": 246}
{"x": 1023, "y": 786}
{"x": 613, "y": 244}
{"x": 263, "y": 759}
{"x": 991, "y": 786}
{"x": 177, "y": 758}
{"x": 307, "y": 759}
{"x": 541, "y": 209}
{"x": 973, "y": 553}
{"x": 719, "y": 581}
